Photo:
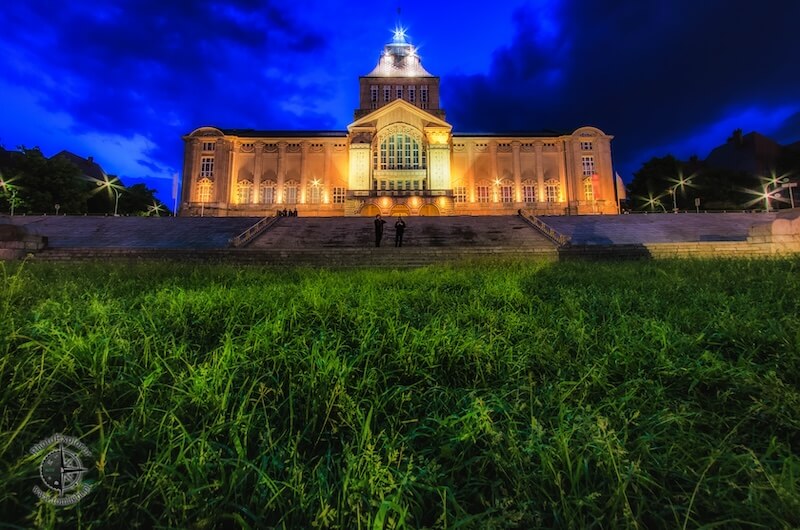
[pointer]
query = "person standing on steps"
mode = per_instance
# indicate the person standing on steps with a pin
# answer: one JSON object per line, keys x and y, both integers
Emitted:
{"x": 399, "y": 228}
{"x": 378, "y": 229}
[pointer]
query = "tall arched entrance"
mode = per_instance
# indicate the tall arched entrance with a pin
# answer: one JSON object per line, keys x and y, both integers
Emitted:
{"x": 370, "y": 210}
{"x": 400, "y": 209}
{"x": 429, "y": 210}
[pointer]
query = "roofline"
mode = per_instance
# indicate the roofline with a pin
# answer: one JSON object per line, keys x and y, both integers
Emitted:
{"x": 512, "y": 134}
{"x": 253, "y": 133}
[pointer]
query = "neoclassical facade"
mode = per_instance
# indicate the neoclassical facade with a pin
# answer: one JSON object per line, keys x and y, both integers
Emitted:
{"x": 399, "y": 156}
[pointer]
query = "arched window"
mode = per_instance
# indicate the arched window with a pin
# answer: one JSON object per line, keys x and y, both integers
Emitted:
{"x": 314, "y": 193}
{"x": 268, "y": 192}
{"x": 528, "y": 191}
{"x": 552, "y": 191}
{"x": 400, "y": 151}
{"x": 588, "y": 189}
{"x": 244, "y": 192}
{"x": 291, "y": 192}
{"x": 204, "y": 189}
{"x": 482, "y": 191}
{"x": 506, "y": 191}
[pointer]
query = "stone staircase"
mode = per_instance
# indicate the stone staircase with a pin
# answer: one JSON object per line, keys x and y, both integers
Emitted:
{"x": 293, "y": 241}
{"x": 421, "y": 232}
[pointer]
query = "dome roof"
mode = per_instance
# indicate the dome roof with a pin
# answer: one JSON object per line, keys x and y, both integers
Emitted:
{"x": 399, "y": 59}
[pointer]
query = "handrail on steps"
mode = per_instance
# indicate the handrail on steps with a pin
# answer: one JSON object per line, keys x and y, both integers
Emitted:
{"x": 252, "y": 232}
{"x": 548, "y": 231}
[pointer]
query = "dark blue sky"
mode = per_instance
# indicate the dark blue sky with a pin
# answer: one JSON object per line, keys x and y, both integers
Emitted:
{"x": 122, "y": 81}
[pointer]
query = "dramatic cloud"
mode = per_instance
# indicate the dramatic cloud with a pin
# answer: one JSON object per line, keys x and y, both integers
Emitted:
{"x": 658, "y": 75}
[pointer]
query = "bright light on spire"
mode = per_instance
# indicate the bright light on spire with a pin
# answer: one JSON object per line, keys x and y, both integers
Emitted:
{"x": 399, "y": 35}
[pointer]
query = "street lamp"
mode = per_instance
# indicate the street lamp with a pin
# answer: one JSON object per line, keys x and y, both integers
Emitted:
{"x": 12, "y": 191}
{"x": 111, "y": 186}
{"x": 680, "y": 183}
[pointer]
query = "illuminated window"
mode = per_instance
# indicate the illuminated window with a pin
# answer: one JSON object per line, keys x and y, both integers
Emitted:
{"x": 588, "y": 165}
{"x": 399, "y": 92}
{"x": 244, "y": 191}
{"x": 338, "y": 195}
{"x": 460, "y": 194}
{"x": 291, "y": 192}
{"x": 400, "y": 151}
{"x": 506, "y": 192}
{"x": 204, "y": 189}
{"x": 387, "y": 93}
{"x": 483, "y": 192}
{"x": 528, "y": 191}
{"x": 412, "y": 94}
{"x": 314, "y": 194}
{"x": 268, "y": 192}
{"x": 551, "y": 191}
{"x": 586, "y": 146}
{"x": 209, "y": 146}
{"x": 207, "y": 166}
{"x": 588, "y": 189}
{"x": 248, "y": 145}
{"x": 373, "y": 94}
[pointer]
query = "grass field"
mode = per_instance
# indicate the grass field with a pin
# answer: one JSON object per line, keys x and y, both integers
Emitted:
{"x": 518, "y": 395}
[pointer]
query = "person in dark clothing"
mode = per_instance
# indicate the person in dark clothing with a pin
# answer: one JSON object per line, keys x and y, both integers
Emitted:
{"x": 399, "y": 228}
{"x": 294, "y": 213}
{"x": 378, "y": 229}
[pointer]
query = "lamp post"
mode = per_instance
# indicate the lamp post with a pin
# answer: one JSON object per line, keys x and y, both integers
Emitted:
{"x": 109, "y": 184}
{"x": 790, "y": 185}
{"x": 12, "y": 191}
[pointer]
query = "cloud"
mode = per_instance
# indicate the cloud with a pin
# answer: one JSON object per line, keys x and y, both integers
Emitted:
{"x": 647, "y": 72}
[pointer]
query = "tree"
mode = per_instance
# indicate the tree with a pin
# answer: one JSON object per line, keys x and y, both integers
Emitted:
{"x": 42, "y": 182}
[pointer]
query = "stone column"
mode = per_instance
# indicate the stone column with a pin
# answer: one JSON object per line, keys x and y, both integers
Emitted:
{"x": 517, "y": 174}
{"x": 471, "y": 171}
{"x": 303, "y": 177}
{"x": 562, "y": 171}
{"x": 538, "y": 150}
{"x": 493, "y": 165}
{"x": 222, "y": 156}
{"x": 326, "y": 170}
{"x": 258, "y": 169}
{"x": 280, "y": 176}
{"x": 233, "y": 174}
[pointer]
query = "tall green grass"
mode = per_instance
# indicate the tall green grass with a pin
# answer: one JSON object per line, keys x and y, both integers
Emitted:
{"x": 517, "y": 395}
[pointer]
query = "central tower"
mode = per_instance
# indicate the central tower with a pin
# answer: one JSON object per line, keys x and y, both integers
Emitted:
{"x": 399, "y": 75}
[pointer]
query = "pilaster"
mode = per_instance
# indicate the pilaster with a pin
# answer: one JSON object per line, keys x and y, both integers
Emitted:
{"x": 515, "y": 146}
{"x": 280, "y": 172}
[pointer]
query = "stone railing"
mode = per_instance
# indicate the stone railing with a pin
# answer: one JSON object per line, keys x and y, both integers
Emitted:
{"x": 251, "y": 233}
{"x": 546, "y": 230}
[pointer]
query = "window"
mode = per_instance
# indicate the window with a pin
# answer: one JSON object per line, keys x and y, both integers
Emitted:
{"x": 207, "y": 167}
{"x": 338, "y": 195}
{"x": 314, "y": 194}
{"x": 412, "y": 94}
{"x": 244, "y": 192}
{"x": 400, "y": 151}
{"x": 209, "y": 146}
{"x": 586, "y": 146}
{"x": 399, "y": 92}
{"x": 588, "y": 165}
{"x": 551, "y": 191}
{"x": 506, "y": 193}
{"x": 387, "y": 93}
{"x": 373, "y": 94}
{"x": 483, "y": 192}
{"x": 588, "y": 189}
{"x": 204, "y": 189}
{"x": 291, "y": 192}
{"x": 423, "y": 96}
{"x": 528, "y": 191}
{"x": 247, "y": 145}
{"x": 460, "y": 194}
{"x": 268, "y": 192}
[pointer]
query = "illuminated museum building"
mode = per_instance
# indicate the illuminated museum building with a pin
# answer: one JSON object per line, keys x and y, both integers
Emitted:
{"x": 399, "y": 156}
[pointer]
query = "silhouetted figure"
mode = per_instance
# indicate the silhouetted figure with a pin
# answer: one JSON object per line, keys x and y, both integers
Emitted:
{"x": 378, "y": 229}
{"x": 294, "y": 214}
{"x": 285, "y": 213}
{"x": 399, "y": 228}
